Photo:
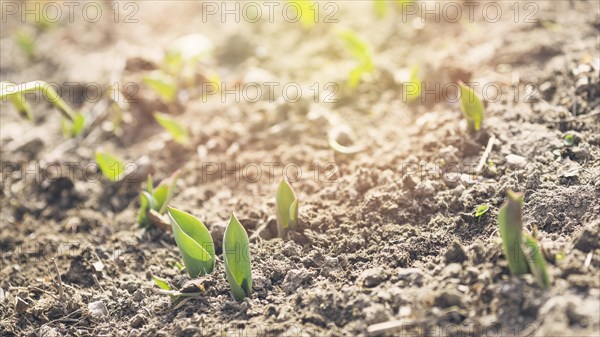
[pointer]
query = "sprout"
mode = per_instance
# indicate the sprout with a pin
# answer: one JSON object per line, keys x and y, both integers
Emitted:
{"x": 73, "y": 122}
{"x": 481, "y": 210}
{"x": 157, "y": 198}
{"x": 516, "y": 243}
{"x": 75, "y": 128}
{"x": 236, "y": 256}
{"x": 163, "y": 84}
{"x": 26, "y": 42}
{"x": 362, "y": 53}
{"x": 414, "y": 82}
{"x": 112, "y": 168}
{"x": 471, "y": 106}
{"x": 287, "y": 208}
{"x": 194, "y": 242}
{"x": 178, "y": 132}
{"x": 569, "y": 140}
{"x": 161, "y": 283}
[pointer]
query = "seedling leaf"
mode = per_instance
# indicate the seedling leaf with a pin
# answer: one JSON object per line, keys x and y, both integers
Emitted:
{"x": 75, "y": 127}
{"x": 287, "y": 208}
{"x": 236, "y": 256}
{"x": 164, "y": 85}
{"x": 306, "y": 13}
{"x": 569, "y": 140}
{"x": 14, "y": 93}
{"x": 161, "y": 283}
{"x": 481, "y": 210}
{"x": 178, "y": 132}
{"x": 361, "y": 51}
{"x": 511, "y": 227}
{"x": 194, "y": 241}
{"x": 471, "y": 106}
{"x": 112, "y": 168}
{"x": 537, "y": 262}
{"x": 414, "y": 81}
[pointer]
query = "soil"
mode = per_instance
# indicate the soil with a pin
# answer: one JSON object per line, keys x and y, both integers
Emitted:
{"x": 386, "y": 235}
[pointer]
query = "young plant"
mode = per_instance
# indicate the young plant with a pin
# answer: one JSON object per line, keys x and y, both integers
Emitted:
{"x": 163, "y": 84}
{"x": 287, "y": 208}
{"x": 72, "y": 122}
{"x": 306, "y": 11}
{"x": 516, "y": 243}
{"x": 236, "y": 256}
{"x": 481, "y": 210}
{"x": 179, "y": 133}
{"x": 156, "y": 199}
{"x": 194, "y": 241}
{"x": 414, "y": 82}
{"x": 362, "y": 53}
{"x": 112, "y": 168}
{"x": 472, "y": 107}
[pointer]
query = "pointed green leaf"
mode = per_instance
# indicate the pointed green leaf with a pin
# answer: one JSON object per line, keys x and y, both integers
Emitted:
{"x": 161, "y": 283}
{"x": 511, "y": 227}
{"x": 415, "y": 82}
{"x": 178, "y": 132}
{"x": 149, "y": 185}
{"x": 236, "y": 256}
{"x": 536, "y": 262}
{"x": 194, "y": 242}
{"x": 146, "y": 203}
{"x": 171, "y": 182}
{"x": 471, "y": 106}
{"x": 112, "y": 168}
{"x": 164, "y": 85}
{"x": 294, "y": 214}
{"x": 284, "y": 200}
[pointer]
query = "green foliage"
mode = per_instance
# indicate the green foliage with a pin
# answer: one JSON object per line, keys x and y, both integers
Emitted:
{"x": 569, "y": 140}
{"x": 194, "y": 241}
{"x": 15, "y": 93}
{"x": 178, "y": 132}
{"x": 481, "y": 210}
{"x": 306, "y": 11}
{"x": 472, "y": 107}
{"x": 73, "y": 128}
{"x": 163, "y": 84}
{"x": 112, "y": 168}
{"x": 161, "y": 283}
{"x": 536, "y": 262}
{"x": 414, "y": 82}
{"x": 521, "y": 250}
{"x": 26, "y": 42}
{"x": 287, "y": 208}
{"x": 156, "y": 198}
{"x": 236, "y": 256}
{"x": 362, "y": 53}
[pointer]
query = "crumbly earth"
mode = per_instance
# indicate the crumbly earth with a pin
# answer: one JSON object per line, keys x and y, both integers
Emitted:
{"x": 387, "y": 234}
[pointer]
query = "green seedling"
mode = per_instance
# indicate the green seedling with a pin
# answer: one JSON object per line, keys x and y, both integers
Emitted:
{"x": 287, "y": 208}
{"x": 522, "y": 250}
{"x": 15, "y": 94}
{"x": 179, "y": 133}
{"x": 74, "y": 128}
{"x": 26, "y": 42}
{"x": 362, "y": 53}
{"x": 194, "y": 241}
{"x": 472, "y": 107}
{"x": 163, "y": 84}
{"x": 414, "y": 82}
{"x": 112, "y": 168}
{"x": 161, "y": 283}
{"x": 236, "y": 256}
{"x": 569, "y": 140}
{"x": 156, "y": 199}
{"x": 306, "y": 11}
{"x": 481, "y": 210}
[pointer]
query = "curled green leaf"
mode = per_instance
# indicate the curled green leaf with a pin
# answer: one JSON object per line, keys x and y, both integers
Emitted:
{"x": 236, "y": 256}
{"x": 194, "y": 241}
{"x": 112, "y": 168}
{"x": 511, "y": 227}
{"x": 471, "y": 106}
{"x": 287, "y": 208}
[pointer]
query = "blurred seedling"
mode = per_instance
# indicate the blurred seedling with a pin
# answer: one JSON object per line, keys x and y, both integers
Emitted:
{"x": 412, "y": 85}
{"x": 569, "y": 140}
{"x": 111, "y": 167}
{"x": 361, "y": 51}
{"x": 472, "y": 107}
{"x": 287, "y": 208}
{"x": 381, "y": 6}
{"x": 179, "y": 133}
{"x": 26, "y": 42}
{"x": 194, "y": 241}
{"x": 73, "y": 122}
{"x": 179, "y": 67}
{"x": 236, "y": 257}
{"x": 306, "y": 11}
{"x": 522, "y": 250}
{"x": 481, "y": 210}
{"x": 156, "y": 200}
